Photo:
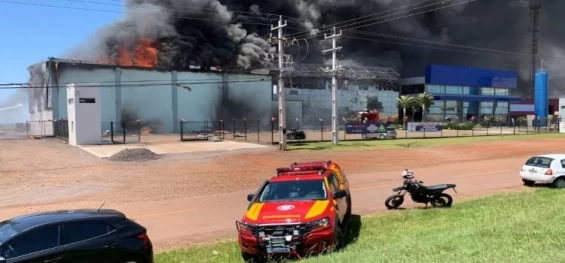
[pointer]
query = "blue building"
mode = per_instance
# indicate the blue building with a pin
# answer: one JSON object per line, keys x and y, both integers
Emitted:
{"x": 463, "y": 92}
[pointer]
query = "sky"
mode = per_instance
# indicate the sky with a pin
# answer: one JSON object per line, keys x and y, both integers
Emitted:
{"x": 30, "y": 33}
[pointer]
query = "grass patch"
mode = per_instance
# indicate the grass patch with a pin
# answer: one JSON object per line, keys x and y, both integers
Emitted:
{"x": 517, "y": 227}
{"x": 420, "y": 143}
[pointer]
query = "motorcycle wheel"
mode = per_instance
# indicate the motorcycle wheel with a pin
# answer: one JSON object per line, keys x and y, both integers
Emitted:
{"x": 442, "y": 200}
{"x": 394, "y": 201}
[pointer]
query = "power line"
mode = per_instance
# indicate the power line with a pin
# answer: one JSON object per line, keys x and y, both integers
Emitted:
{"x": 114, "y": 11}
{"x": 141, "y": 85}
{"x": 147, "y": 82}
{"x": 438, "y": 43}
{"x": 359, "y": 18}
{"x": 396, "y": 18}
{"x": 431, "y": 47}
{"x": 185, "y": 9}
{"x": 232, "y": 11}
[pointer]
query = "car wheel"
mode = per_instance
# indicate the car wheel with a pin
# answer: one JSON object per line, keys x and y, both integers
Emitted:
{"x": 347, "y": 219}
{"x": 382, "y": 136}
{"x": 559, "y": 182}
{"x": 528, "y": 182}
{"x": 364, "y": 136}
{"x": 338, "y": 235}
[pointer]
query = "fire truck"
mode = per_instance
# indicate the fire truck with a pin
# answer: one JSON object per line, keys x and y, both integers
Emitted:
{"x": 369, "y": 126}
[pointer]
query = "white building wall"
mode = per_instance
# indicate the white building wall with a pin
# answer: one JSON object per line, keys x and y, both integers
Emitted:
{"x": 84, "y": 114}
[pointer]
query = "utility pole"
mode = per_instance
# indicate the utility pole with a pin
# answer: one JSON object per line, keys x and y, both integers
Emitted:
{"x": 535, "y": 6}
{"x": 335, "y": 131}
{"x": 280, "y": 88}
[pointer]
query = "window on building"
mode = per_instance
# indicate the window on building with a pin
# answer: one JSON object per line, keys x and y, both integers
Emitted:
{"x": 487, "y": 91}
{"x": 501, "y": 92}
{"x": 450, "y": 107}
{"x": 453, "y": 90}
{"x": 466, "y": 91}
{"x": 436, "y": 108}
{"x": 501, "y": 108}
{"x": 435, "y": 89}
{"x": 486, "y": 107}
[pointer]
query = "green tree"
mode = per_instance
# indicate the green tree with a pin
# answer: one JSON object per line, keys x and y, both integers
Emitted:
{"x": 373, "y": 103}
{"x": 405, "y": 102}
{"x": 425, "y": 101}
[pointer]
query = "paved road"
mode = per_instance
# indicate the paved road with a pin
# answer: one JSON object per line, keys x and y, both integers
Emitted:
{"x": 173, "y": 223}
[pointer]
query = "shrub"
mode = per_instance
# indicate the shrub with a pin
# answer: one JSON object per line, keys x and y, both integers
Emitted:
{"x": 458, "y": 126}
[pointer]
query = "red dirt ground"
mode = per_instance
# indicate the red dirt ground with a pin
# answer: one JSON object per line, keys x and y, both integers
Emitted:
{"x": 190, "y": 198}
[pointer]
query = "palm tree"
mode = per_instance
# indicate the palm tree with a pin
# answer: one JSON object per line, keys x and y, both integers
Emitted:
{"x": 404, "y": 102}
{"x": 425, "y": 101}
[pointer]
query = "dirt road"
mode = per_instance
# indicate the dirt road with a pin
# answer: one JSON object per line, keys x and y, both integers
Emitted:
{"x": 184, "y": 199}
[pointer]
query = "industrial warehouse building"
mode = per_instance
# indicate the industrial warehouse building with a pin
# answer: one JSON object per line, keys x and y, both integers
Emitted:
{"x": 164, "y": 97}
{"x": 461, "y": 93}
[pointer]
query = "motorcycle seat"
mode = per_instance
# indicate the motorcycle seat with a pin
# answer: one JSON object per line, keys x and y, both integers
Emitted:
{"x": 439, "y": 187}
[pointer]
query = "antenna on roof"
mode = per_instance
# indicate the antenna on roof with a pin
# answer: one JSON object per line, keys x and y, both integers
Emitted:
{"x": 101, "y": 206}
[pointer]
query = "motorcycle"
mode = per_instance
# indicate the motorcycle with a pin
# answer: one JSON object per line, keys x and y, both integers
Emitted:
{"x": 420, "y": 193}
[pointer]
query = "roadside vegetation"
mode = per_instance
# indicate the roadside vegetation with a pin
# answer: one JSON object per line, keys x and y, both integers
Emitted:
{"x": 416, "y": 143}
{"x": 516, "y": 227}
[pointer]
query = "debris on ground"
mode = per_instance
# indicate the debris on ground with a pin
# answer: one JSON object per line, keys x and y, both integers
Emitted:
{"x": 215, "y": 139}
{"x": 134, "y": 155}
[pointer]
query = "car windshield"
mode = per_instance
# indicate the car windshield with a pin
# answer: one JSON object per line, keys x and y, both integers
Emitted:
{"x": 7, "y": 231}
{"x": 541, "y": 162}
{"x": 294, "y": 190}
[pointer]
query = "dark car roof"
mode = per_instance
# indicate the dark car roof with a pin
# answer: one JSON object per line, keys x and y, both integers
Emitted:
{"x": 25, "y": 222}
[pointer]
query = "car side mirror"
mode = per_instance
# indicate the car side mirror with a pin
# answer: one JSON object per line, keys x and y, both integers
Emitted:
{"x": 249, "y": 198}
{"x": 339, "y": 194}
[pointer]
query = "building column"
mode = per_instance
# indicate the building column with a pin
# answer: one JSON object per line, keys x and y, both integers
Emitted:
{"x": 174, "y": 98}
{"x": 118, "y": 94}
{"x": 53, "y": 85}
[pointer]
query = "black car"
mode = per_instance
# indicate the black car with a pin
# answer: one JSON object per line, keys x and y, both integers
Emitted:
{"x": 79, "y": 236}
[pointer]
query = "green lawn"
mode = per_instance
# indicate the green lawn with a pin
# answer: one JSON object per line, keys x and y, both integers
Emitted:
{"x": 518, "y": 227}
{"x": 414, "y": 143}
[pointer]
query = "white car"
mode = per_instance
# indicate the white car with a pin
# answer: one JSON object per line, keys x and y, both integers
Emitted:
{"x": 547, "y": 169}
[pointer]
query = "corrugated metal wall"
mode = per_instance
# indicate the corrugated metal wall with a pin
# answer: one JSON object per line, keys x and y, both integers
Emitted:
{"x": 225, "y": 97}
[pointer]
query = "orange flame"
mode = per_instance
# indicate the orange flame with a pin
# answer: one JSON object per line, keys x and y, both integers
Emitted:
{"x": 146, "y": 131}
{"x": 144, "y": 54}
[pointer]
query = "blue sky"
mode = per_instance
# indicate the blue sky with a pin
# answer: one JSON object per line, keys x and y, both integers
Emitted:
{"x": 30, "y": 34}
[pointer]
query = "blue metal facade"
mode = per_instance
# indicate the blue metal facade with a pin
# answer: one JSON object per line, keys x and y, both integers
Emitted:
{"x": 465, "y": 92}
{"x": 541, "y": 97}
{"x": 470, "y": 77}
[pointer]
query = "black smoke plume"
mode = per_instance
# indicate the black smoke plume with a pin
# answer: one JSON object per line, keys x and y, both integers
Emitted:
{"x": 209, "y": 33}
